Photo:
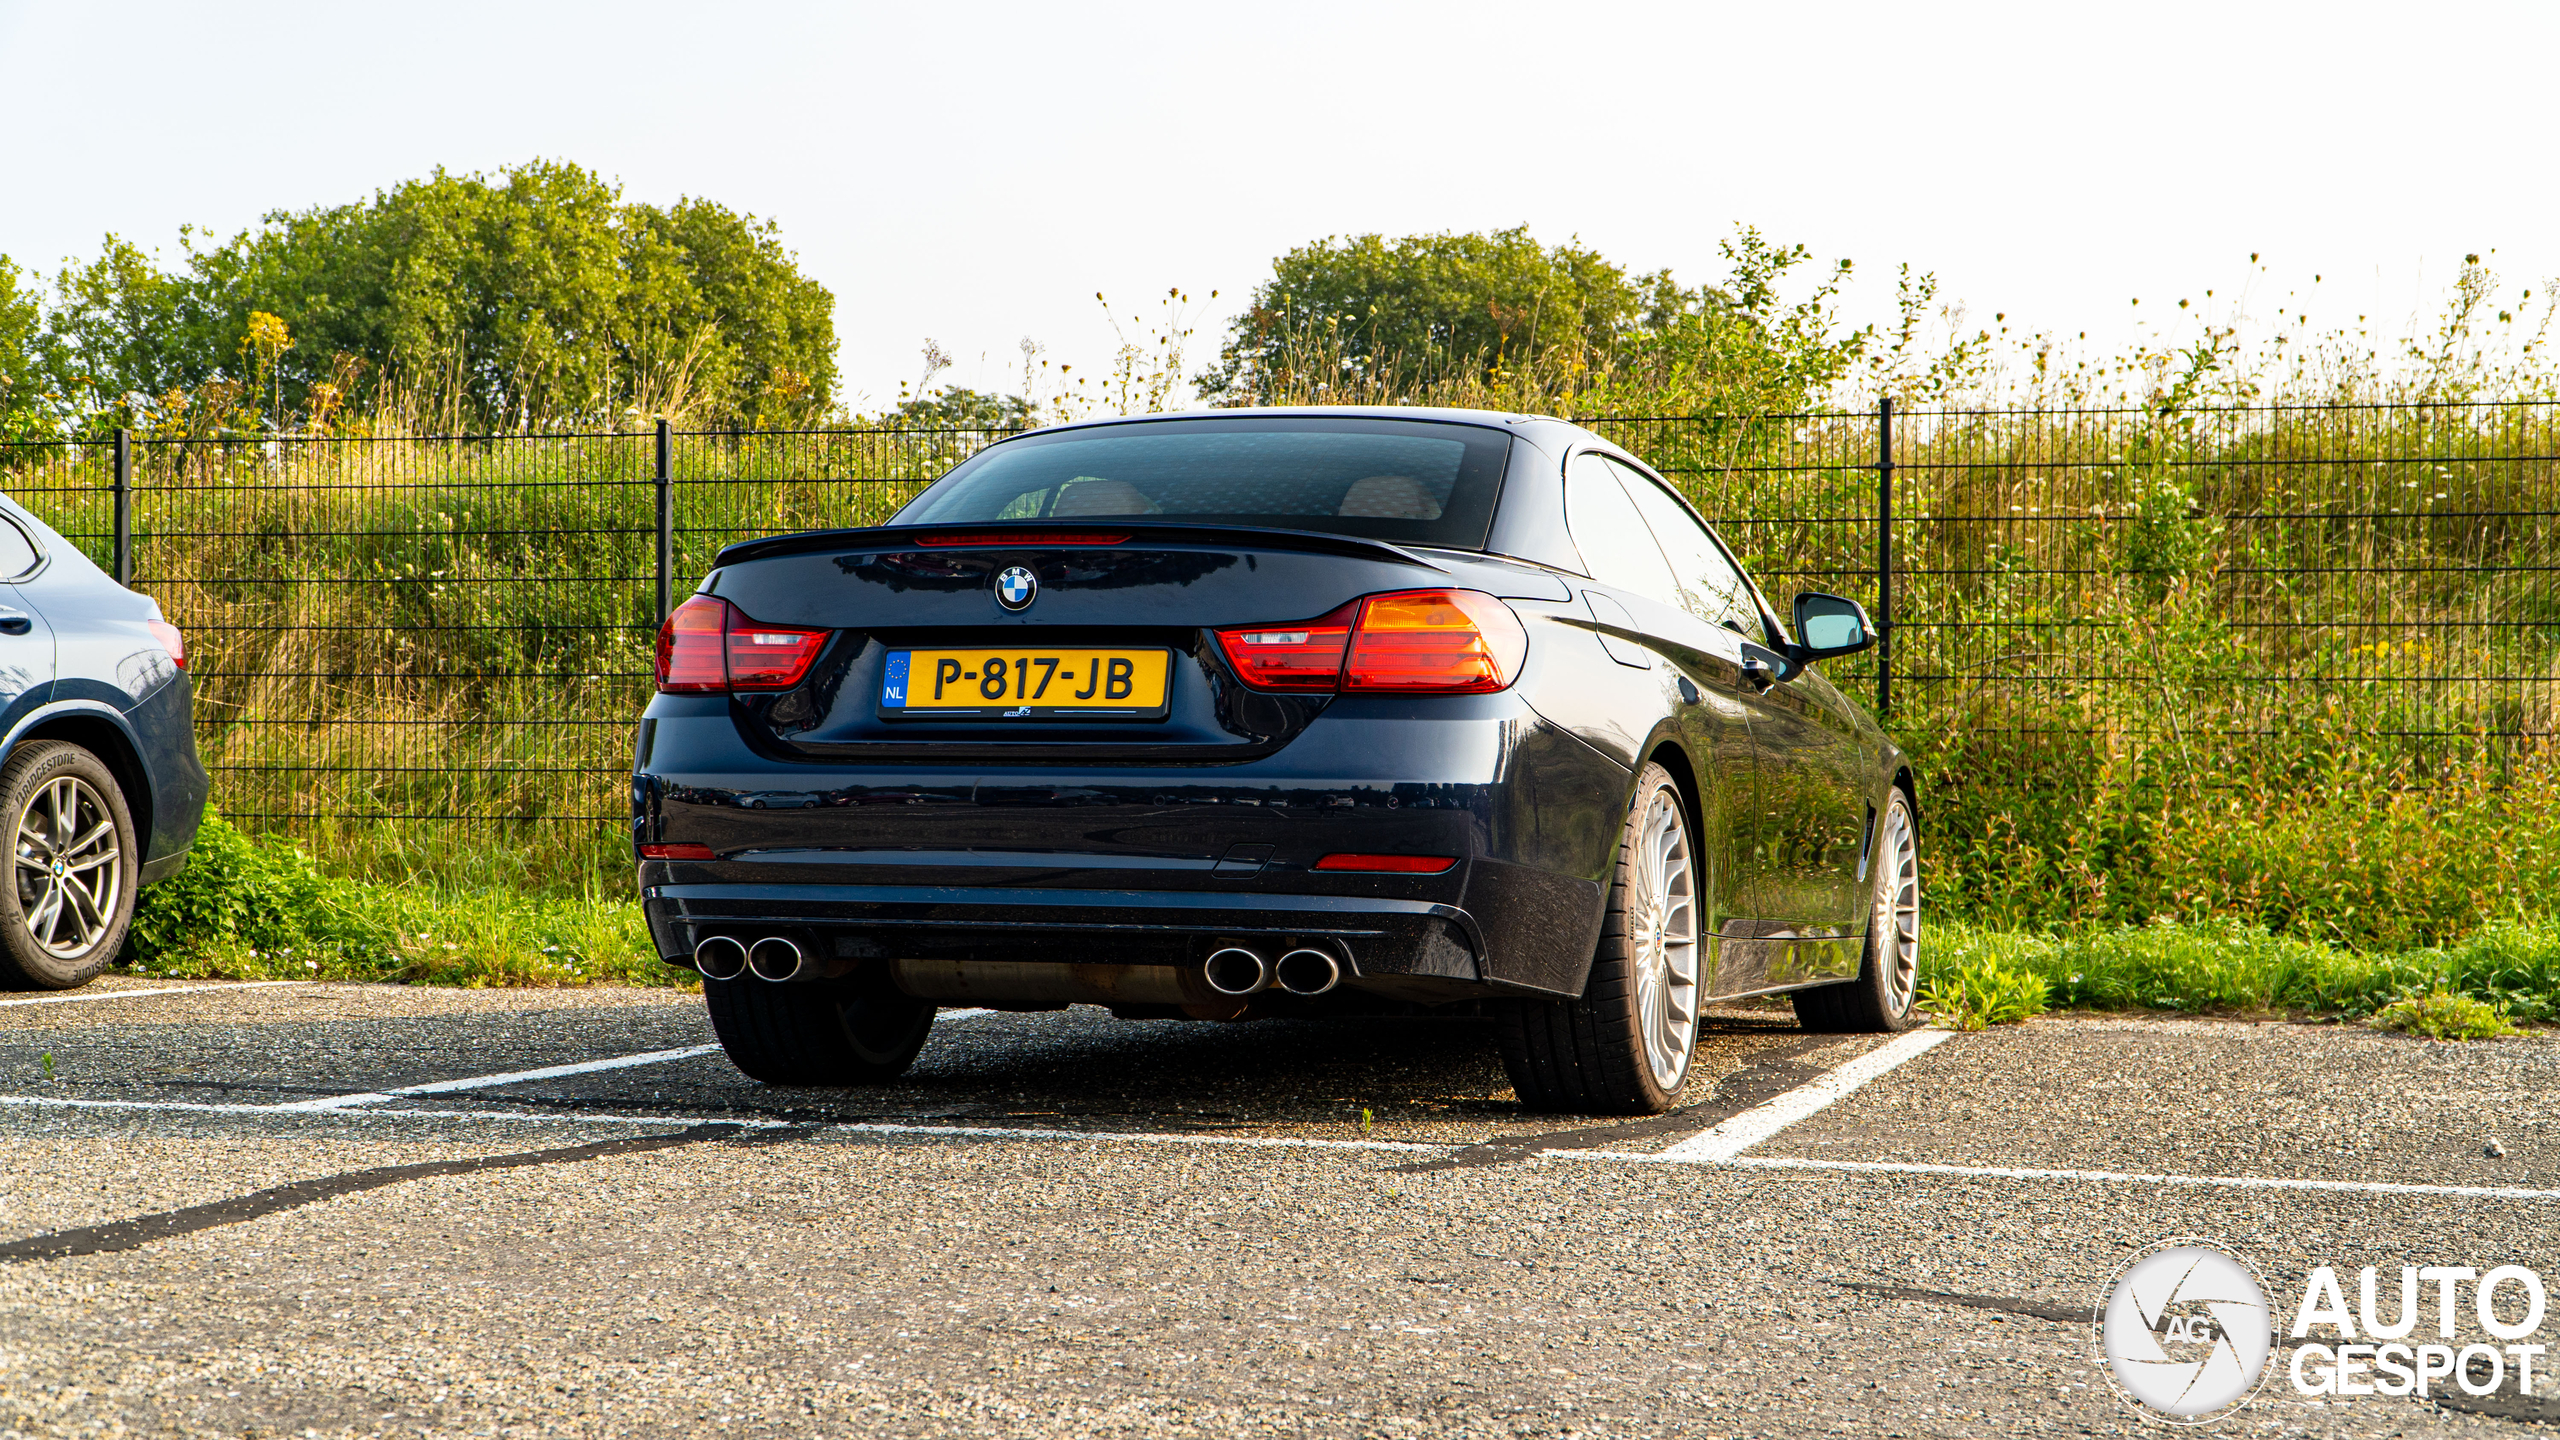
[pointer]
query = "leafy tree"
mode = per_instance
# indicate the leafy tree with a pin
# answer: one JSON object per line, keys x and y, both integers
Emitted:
{"x": 1497, "y": 320}
{"x": 21, "y": 376}
{"x": 535, "y": 297}
{"x": 119, "y": 332}
{"x": 1420, "y": 307}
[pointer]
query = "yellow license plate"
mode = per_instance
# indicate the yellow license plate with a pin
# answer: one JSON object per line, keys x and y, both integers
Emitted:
{"x": 1008, "y": 683}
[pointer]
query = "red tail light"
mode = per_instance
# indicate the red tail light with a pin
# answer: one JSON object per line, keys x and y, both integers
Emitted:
{"x": 1411, "y": 642}
{"x": 677, "y": 852}
{"x": 768, "y": 657}
{"x": 707, "y": 648}
{"x": 1435, "y": 642}
{"x": 1292, "y": 657}
{"x": 170, "y": 640}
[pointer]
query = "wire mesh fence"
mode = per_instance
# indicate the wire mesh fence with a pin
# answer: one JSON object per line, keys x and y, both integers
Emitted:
{"x": 398, "y": 634}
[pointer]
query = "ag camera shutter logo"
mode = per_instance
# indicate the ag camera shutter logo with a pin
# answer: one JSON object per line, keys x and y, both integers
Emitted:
{"x": 2186, "y": 1331}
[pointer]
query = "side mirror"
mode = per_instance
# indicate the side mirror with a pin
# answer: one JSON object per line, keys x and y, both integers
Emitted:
{"x": 1827, "y": 625}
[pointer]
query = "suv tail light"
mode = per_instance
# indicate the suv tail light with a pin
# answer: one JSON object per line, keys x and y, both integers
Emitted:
{"x": 1409, "y": 642}
{"x": 170, "y": 640}
{"x": 707, "y": 648}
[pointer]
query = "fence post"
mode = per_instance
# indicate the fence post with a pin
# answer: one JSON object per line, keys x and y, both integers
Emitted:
{"x": 1884, "y": 557}
{"x": 124, "y": 507}
{"x": 666, "y": 522}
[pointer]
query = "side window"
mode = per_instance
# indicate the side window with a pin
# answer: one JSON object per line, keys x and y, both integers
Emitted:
{"x": 17, "y": 552}
{"x": 1712, "y": 589}
{"x": 1616, "y": 546}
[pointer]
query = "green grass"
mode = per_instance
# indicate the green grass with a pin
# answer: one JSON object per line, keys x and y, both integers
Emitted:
{"x": 2220, "y": 968}
{"x": 260, "y": 908}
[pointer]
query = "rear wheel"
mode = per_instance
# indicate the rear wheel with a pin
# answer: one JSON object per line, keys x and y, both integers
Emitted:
{"x": 75, "y": 867}
{"x": 821, "y": 1033}
{"x": 1880, "y": 1000}
{"x": 1624, "y": 1047}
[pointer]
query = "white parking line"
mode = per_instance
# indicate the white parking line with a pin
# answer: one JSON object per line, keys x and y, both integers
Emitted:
{"x": 154, "y": 990}
{"x": 484, "y": 1082}
{"x": 2113, "y": 1177}
{"x": 891, "y": 1130}
{"x": 1741, "y": 1132}
{"x": 376, "y": 1112}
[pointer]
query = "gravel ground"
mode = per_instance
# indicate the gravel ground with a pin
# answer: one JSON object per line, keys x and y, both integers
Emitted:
{"x": 814, "y": 1278}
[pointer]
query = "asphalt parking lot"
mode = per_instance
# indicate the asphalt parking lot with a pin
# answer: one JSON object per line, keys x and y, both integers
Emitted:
{"x": 357, "y": 1210}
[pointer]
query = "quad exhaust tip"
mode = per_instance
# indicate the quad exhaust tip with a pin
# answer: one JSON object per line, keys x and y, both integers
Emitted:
{"x": 1307, "y": 972}
{"x": 777, "y": 959}
{"x": 1236, "y": 971}
{"x": 720, "y": 958}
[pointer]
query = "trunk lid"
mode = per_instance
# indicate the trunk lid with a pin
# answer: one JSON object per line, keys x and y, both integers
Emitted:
{"x": 1105, "y": 593}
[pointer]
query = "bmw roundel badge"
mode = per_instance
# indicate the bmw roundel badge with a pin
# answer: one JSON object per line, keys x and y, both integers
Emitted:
{"x": 1016, "y": 587}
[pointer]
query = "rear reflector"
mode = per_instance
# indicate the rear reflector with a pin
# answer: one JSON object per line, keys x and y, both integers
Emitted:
{"x": 1022, "y": 537}
{"x": 1410, "y": 642}
{"x": 1389, "y": 864}
{"x": 708, "y": 648}
{"x": 170, "y": 640}
{"x": 677, "y": 852}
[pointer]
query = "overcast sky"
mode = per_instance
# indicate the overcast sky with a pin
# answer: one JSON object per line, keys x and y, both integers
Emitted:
{"x": 975, "y": 173}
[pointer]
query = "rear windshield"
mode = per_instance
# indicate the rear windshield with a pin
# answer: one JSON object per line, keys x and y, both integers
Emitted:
{"x": 1415, "y": 482}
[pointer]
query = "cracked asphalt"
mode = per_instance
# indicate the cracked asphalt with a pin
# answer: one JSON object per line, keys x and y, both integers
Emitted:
{"x": 1062, "y": 1224}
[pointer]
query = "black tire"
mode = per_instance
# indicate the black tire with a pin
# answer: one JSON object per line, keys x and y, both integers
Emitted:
{"x": 1590, "y": 1055}
{"x": 828, "y": 1033}
{"x": 1883, "y": 999}
{"x": 74, "y": 866}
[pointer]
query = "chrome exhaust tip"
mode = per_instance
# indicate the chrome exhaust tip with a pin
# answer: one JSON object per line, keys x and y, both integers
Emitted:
{"x": 1307, "y": 972}
{"x": 720, "y": 958}
{"x": 775, "y": 958}
{"x": 1236, "y": 971}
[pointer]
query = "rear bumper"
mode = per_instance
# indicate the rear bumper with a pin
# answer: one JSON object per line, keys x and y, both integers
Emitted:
{"x": 999, "y": 862}
{"x": 1415, "y": 950}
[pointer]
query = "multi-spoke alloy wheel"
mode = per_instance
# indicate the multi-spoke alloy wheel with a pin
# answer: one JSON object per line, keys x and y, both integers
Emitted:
{"x": 73, "y": 864}
{"x": 1623, "y": 1047}
{"x": 1897, "y": 911}
{"x": 68, "y": 878}
{"x": 1880, "y": 998}
{"x": 1662, "y": 928}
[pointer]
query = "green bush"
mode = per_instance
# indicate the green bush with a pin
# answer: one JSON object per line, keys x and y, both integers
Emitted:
{"x": 1982, "y": 994}
{"x": 239, "y": 898}
{"x": 258, "y": 908}
{"x": 2443, "y": 1017}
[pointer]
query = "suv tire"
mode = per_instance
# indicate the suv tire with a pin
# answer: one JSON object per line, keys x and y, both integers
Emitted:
{"x": 74, "y": 863}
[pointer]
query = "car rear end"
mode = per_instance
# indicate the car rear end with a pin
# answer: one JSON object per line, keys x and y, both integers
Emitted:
{"x": 1193, "y": 717}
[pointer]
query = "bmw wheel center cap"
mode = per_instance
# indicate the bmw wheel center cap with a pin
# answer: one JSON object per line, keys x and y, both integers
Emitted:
{"x": 1016, "y": 587}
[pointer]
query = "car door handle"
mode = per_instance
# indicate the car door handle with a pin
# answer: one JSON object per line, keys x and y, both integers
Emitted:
{"x": 1761, "y": 666}
{"x": 16, "y": 622}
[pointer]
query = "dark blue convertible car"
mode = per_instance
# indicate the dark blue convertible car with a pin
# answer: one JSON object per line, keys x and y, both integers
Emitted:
{"x": 100, "y": 787}
{"x": 1273, "y": 713}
